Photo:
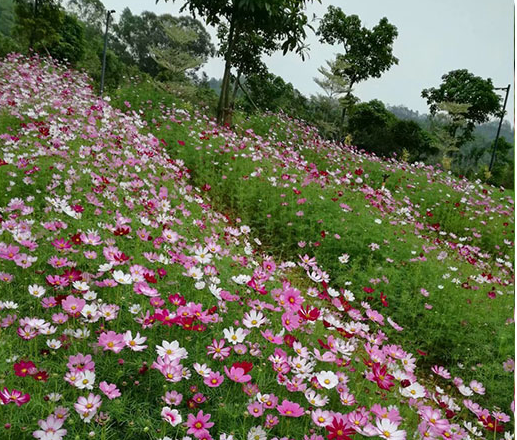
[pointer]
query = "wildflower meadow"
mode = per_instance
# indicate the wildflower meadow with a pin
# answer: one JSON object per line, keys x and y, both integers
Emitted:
{"x": 165, "y": 277}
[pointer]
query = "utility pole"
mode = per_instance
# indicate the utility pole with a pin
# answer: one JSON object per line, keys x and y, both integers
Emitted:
{"x": 104, "y": 51}
{"x": 492, "y": 159}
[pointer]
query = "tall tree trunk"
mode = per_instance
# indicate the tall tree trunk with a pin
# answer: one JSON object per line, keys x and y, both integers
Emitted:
{"x": 225, "y": 86}
{"x": 235, "y": 88}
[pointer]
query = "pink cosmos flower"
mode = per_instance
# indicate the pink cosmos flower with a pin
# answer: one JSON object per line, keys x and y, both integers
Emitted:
{"x": 198, "y": 425}
{"x": 271, "y": 421}
{"x": 441, "y": 371}
{"x": 110, "y": 390}
{"x": 80, "y": 362}
{"x": 172, "y": 398}
{"x": 171, "y": 416}
{"x": 218, "y": 349}
{"x": 214, "y": 379}
{"x": 375, "y": 316}
{"x": 61, "y": 244}
{"x": 111, "y": 341}
{"x": 237, "y": 374}
{"x": 256, "y": 409}
{"x": 73, "y": 305}
{"x": 290, "y": 409}
{"x": 50, "y": 429}
{"x": 14, "y": 396}
{"x": 86, "y": 407}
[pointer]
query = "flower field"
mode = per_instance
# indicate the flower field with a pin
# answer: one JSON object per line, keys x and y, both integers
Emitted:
{"x": 162, "y": 277}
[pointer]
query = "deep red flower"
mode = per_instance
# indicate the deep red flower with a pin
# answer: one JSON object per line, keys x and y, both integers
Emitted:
{"x": 150, "y": 278}
{"x": 41, "y": 376}
{"x": 76, "y": 238}
{"x": 491, "y": 424}
{"x": 289, "y": 340}
{"x": 339, "y": 430}
{"x": 23, "y": 368}
{"x": 177, "y": 300}
{"x": 382, "y": 377}
{"x": 246, "y": 366}
{"x": 121, "y": 231}
{"x": 308, "y": 313}
{"x": 73, "y": 275}
{"x": 384, "y": 300}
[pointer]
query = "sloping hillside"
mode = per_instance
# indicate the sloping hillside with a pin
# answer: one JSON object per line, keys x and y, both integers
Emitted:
{"x": 151, "y": 284}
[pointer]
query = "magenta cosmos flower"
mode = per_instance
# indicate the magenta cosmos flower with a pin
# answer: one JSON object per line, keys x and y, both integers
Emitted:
{"x": 290, "y": 409}
{"x": 13, "y": 396}
{"x": 198, "y": 425}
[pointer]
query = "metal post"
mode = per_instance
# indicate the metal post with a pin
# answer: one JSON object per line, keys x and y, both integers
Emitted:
{"x": 104, "y": 51}
{"x": 492, "y": 159}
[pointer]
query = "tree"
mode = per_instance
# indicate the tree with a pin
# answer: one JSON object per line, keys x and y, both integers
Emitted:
{"x": 377, "y": 130}
{"x": 91, "y": 12}
{"x": 281, "y": 21}
{"x": 368, "y": 53}
{"x": 6, "y": 17}
{"x": 334, "y": 85}
{"x": 136, "y": 35}
{"x": 71, "y": 43}
{"x": 177, "y": 58}
{"x": 475, "y": 94}
{"x": 37, "y": 23}
{"x": 369, "y": 124}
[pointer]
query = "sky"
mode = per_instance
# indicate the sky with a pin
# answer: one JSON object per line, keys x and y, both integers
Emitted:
{"x": 434, "y": 37}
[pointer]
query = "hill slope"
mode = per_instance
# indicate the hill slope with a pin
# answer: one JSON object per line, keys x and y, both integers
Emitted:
{"x": 131, "y": 308}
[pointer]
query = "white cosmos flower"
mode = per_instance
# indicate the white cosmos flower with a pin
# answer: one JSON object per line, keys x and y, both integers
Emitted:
{"x": 332, "y": 292}
{"x": 214, "y": 290}
{"x": 54, "y": 344}
{"x": 465, "y": 390}
{"x": 195, "y": 272}
{"x": 241, "y": 279}
{"x": 105, "y": 267}
{"x": 81, "y": 285}
{"x": 202, "y": 370}
{"x": 135, "y": 309}
{"x": 85, "y": 379}
{"x": 36, "y": 291}
{"x": 415, "y": 391}
{"x": 200, "y": 285}
{"x": 327, "y": 379}
{"x": 121, "y": 277}
{"x": 253, "y": 318}
{"x": 203, "y": 255}
{"x": 234, "y": 336}
{"x": 172, "y": 350}
{"x": 388, "y": 430}
{"x": 135, "y": 343}
{"x": 315, "y": 399}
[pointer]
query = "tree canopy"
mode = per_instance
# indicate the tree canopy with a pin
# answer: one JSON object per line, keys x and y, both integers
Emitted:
{"x": 475, "y": 94}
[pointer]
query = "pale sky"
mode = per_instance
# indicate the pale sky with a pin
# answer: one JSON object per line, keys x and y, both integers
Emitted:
{"x": 435, "y": 37}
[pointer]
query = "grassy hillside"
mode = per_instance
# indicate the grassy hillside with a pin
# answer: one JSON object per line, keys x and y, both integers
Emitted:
{"x": 162, "y": 277}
